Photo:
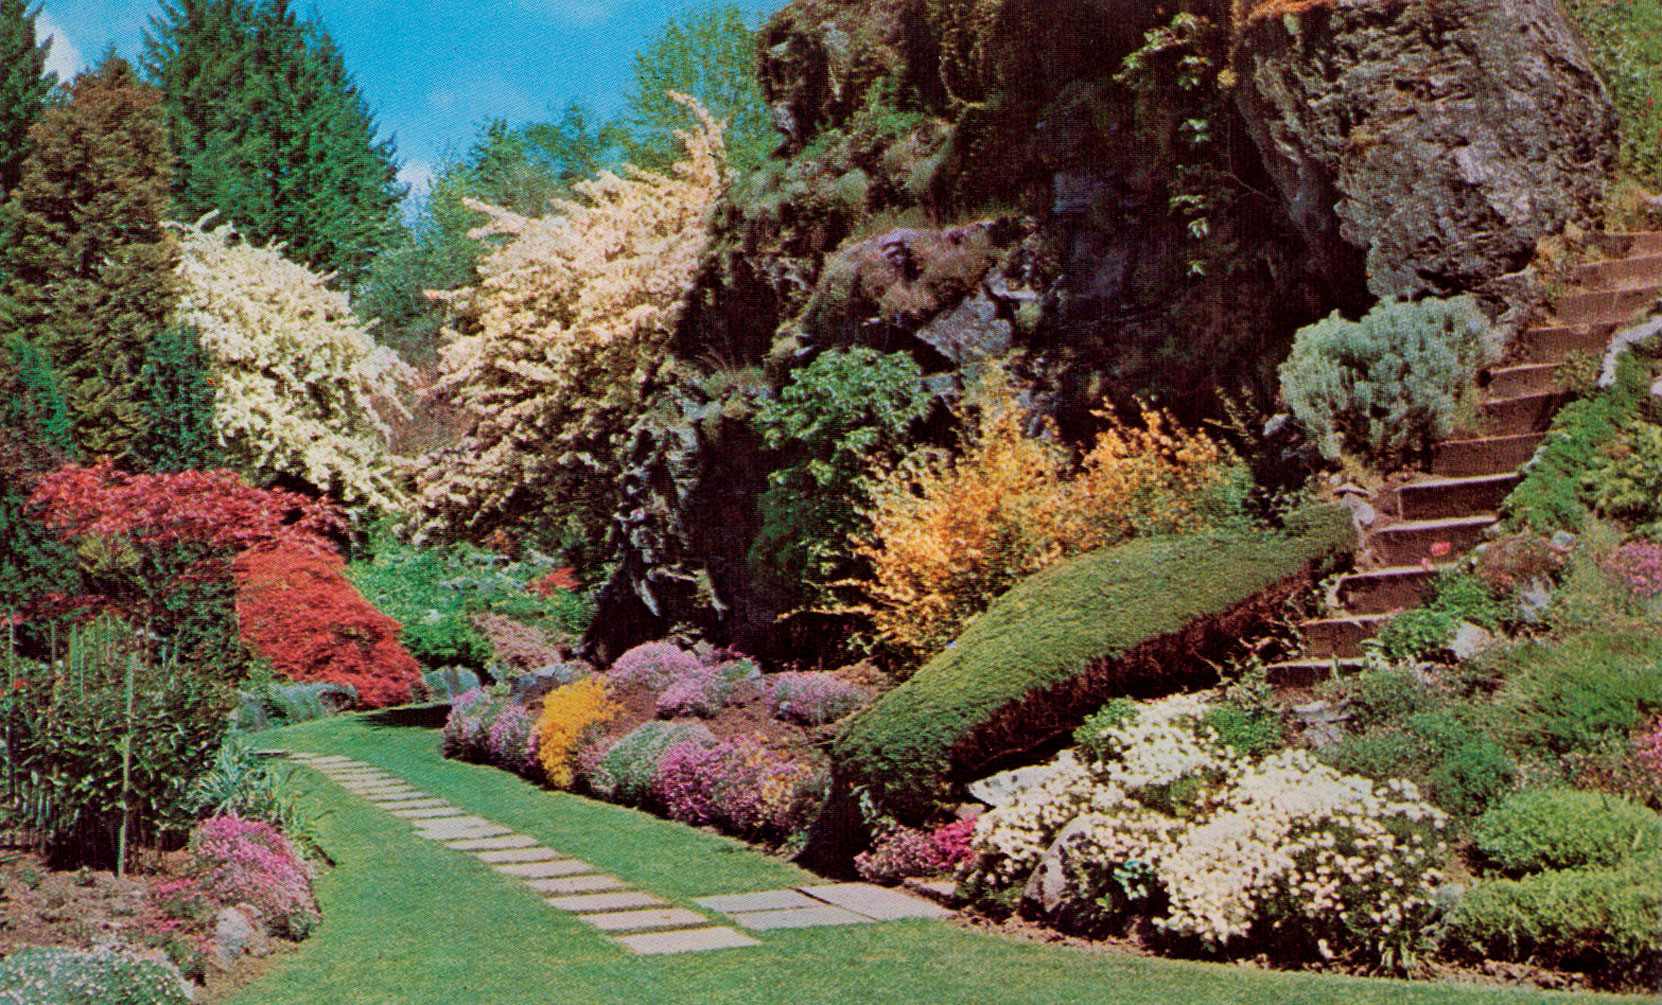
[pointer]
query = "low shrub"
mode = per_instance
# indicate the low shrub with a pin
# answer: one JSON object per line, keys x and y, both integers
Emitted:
{"x": 1626, "y": 482}
{"x": 1254, "y": 732}
{"x": 738, "y": 785}
{"x": 234, "y": 861}
{"x": 1415, "y": 633}
{"x": 509, "y": 740}
{"x": 571, "y": 715}
{"x": 1563, "y": 828}
{"x": 904, "y": 852}
{"x": 1381, "y": 696}
{"x": 466, "y": 731}
{"x": 34, "y": 976}
{"x": 1385, "y": 386}
{"x": 813, "y": 699}
{"x": 702, "y": 693}
{"x": 242, "y": 782}
{"x": 1460, "y": 767}
{"x": 1140, "y": 617}
{"x": 1601, "y": 921}
{"x": 1636, "y": 568}
{"x": 1579, "y": 693}
{"x": 447, "y": 685}
{"x": 630, "y": 764}
{"x": 652, "y": 665}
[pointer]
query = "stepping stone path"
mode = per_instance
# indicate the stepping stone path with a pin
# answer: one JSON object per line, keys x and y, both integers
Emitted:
{"x": 1414, "y": 531}
{"x": 637, "y": 920}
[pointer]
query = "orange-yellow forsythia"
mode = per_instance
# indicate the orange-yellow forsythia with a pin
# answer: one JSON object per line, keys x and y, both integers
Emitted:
{"x": 946, "y": 542}
{"x": 570, "y": 714}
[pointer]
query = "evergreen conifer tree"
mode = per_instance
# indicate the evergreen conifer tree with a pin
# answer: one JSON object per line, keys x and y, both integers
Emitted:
{"x": 33, "y": 437}
{"x": 178, "y": 405}
{"x": 89, "y": 269}
{"x": 24, "y": 85}
{"x": 273, "y": 133}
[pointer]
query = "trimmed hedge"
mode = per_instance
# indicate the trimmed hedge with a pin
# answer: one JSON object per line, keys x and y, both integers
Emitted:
{"x": 1143, "y": 618}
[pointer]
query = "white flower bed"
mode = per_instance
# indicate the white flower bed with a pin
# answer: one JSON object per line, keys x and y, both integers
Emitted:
{"x": 1284, "y": 844}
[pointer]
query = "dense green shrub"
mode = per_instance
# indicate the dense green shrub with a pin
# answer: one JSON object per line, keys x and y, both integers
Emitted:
{"x": 1554, "y": 494}
{"x": 97, "y": 977}
{"x": 1626, "y": 483}
{"x": 1040, "y": 637}
{"x": 1566, "y": 829}
{"x": 1625, "y": 43}
{"x": 1088, "y": 738}
{"x": 1415, "y": 633}
{"x": 1603, "y": 921}
{"x": 1384, "y": 386}
{"x": 1580, "y": 693}
{"x": 840, "y": 417}
{"x": 1385, "y": 695}
{"x": 1251, "y": 732}
{"x": 1460, "y": 767}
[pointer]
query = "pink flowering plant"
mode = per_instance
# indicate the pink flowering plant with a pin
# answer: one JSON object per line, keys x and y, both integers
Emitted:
{"x": 813, "y": 699}
{"x": 1637, "y": 567}
{"x": 510, "y": 741}
{"x": 702, "y": 692}
{"x": 739, "y": 785}
{"x": 903, "y": 851}
{"x": 235, "y": 861}
{"x": 652, "y": 665}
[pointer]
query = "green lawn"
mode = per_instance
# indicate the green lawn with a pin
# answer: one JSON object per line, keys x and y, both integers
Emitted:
{"x": 409, "y": 922}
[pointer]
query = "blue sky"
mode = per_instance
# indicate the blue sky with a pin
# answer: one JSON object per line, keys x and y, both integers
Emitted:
{"x": 433, "y": 69}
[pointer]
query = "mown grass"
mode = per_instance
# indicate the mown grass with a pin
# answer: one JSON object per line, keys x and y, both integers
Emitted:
{"x": 408, "y": 922}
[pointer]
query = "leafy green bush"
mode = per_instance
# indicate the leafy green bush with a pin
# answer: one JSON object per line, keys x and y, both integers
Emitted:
{"x": 1384, "y": 386}
{"x": 1625, "y": 43}
{"x": 1566, "y": 829}
{"x": 1580, "y": 693}
{"x": 1090, "y": 734}
{"x": 1627, "y": 481}
{"x": 1460, "y": 767}
{"x": 1385, "y": 695}
{"x": 244, "y": 783}
{"x": 1252, "y": 732}
{"x": 1603, "y": 921}
{"x": 840, "y": 416}
{"x": 1038, "y": 643}
{"x": 1554, "y": 493}
{"x": 98, "y": 977}
{"x": 1415, "y": 633}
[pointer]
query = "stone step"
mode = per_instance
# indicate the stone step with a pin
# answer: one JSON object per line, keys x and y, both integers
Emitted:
{"x": 1621, "y": 273}
{"x": 1630, "y": 243}
{"x": 1382, "y": 591}
{"x": 1554, "y": 344}
{"x": 1441, "y": 540}
{"x": 1304, "y": 673}
{"x": 1439, "y": 498}
{"x": 1528, "y": 378}
{"x": 1525, "y": 413}
{"x": 1602, "y": 306}
{"x": 1328, "y": 637}
{"x": 1487, "y": 455}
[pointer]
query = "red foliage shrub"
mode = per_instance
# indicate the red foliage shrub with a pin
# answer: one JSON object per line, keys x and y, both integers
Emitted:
{"x": 298, "y": 610}
{"x": 563, "y": 578}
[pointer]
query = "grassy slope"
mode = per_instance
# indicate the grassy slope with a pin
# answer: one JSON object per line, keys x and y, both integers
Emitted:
{"x": 408, "y": 922}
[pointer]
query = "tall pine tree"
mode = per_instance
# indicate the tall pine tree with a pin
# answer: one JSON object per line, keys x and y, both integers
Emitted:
{"x": 24, "y": 85}
{"x": 89, "y": 269}
{"x": 273, "y": 133}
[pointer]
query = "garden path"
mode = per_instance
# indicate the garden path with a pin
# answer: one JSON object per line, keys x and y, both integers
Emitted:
{"x": 635, "y": 919}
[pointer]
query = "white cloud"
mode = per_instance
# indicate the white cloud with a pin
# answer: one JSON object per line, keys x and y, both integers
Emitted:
{"x": 62, "y": 58}
{"x": 418, "y": 175}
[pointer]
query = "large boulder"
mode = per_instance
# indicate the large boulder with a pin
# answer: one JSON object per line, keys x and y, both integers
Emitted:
{"x": 1441, "y": 139}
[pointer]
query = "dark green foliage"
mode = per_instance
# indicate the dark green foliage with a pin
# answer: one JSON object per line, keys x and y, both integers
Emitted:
{"x": 1461, "y": 768}
{"x": 88, "y": 268}
{"x": 1252, "y": 732}
{"x": 839, "y": 420}
{"x": 92, "y": 977}
{"x": 34, "y": 434}
{"x": 272, "y": 132}
{"x": 1076, "y": 617}
{"x": 1416, "y": 632}
{"x": 1088, "y": 737}
{"x": 710, "y": 55}
{"x": 1625, "y": 43}
{"x": 1627, "y": 482}
{"x": 1382, "y": 696}
{"x": 1602, "y": 921}
{"x": 1566, "y": 829}
{"x": 178, "y": 406}
{"x": 1384, "y": 386}
{"x": 1579, "y": 693}
{"x": 1554, "y": 494}
{"x": 24, "y": 85}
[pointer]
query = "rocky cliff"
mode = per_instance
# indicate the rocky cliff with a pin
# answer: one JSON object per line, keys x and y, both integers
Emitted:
{"x": 1113, "y": 197}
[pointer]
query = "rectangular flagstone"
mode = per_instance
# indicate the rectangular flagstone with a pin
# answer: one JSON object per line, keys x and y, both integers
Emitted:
{"x": 457, "y": 828}
{"x": 409, "y": 803}
{"x": 688, "y": 940}
{"x": 387, "y": 793}
{"x": 532, "y": 853}
{"x": 544, "y": 870}
{"x": 876, "y": 902}
{"x": 493, "y": 844}
{"x": 331, "y": 759}
{"x": 798, "y": 917}
{"x": 630, "y": 921}
{"x": 586, "y": 903}
{"x": 430, "y": 813}
{"x": 368, "y": 778}
{"x": 766, "y": 900}
{"x": 588, "y": 883}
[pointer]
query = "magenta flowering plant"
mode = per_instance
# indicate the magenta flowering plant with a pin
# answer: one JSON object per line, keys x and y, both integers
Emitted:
{"x": 652, "y": 665}
{"x": 702, "y": 693}
{"x": 739, "y": 785}
{"x": 1637, "y": 567}
{"x": 684, "y": 784}
{"x": 510, "y": 739}
{"x": 813, "y": 699}
{"x": 902, "y": 852}
{"x": 234, "y": 861}
{"x": 952, "y": 841}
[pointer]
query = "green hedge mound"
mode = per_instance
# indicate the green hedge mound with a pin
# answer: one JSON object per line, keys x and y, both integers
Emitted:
{"x": 1141, "y": 619}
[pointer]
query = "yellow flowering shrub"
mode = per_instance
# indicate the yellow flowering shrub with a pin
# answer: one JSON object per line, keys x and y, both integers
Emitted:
{"x": 570, "y": 715}
{"x": 949, "y": 539}
{"x": 560, "y": 345}
{"x": 298, "y": 382}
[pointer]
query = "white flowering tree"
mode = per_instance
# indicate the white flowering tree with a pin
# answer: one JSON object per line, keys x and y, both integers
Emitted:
{"x": 298, "y": 380}
{"x": 564, "y": 338}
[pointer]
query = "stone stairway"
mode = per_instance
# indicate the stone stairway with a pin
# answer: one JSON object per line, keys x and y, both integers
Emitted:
{"x": 1433, "y": 520}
